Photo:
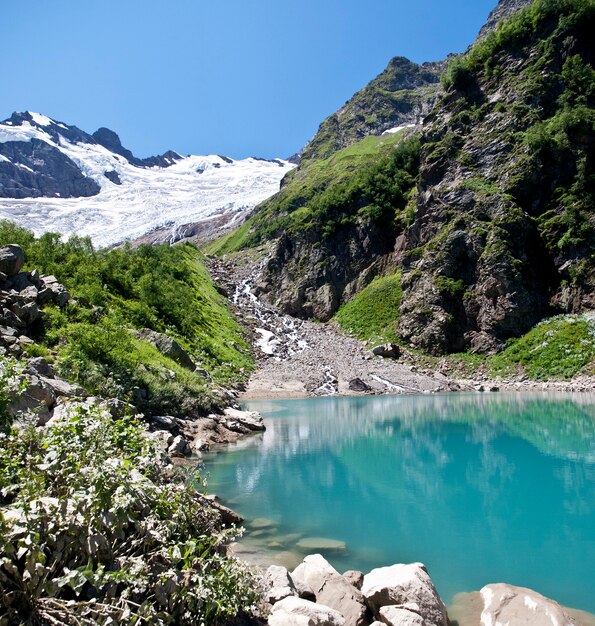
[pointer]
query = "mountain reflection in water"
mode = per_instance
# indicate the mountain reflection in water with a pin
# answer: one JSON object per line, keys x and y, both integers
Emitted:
{"x": 482, "y": 488}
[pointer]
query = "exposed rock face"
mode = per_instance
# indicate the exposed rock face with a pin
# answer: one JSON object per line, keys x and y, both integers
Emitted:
{"x": 32, "y": 169}
{"x": 501, "y": 231}
{"x": 335, "y": 268}
{"x": 22, "y": 296}
{"x": 400, "y": 584}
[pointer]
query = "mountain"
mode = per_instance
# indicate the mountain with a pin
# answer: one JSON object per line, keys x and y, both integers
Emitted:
{"x": 57, "y": 177}
{"x": 485, "y": 210}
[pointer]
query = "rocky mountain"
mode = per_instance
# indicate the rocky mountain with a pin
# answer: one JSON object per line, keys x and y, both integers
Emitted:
{"x": 486, "y": 210}
{"x": 403, "y": 94}
{"x": 57, "y": 177}
{"x": 503, "y": 10}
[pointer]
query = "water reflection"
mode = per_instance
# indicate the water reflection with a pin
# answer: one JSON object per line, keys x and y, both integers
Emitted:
{"x": 482, "y": 488}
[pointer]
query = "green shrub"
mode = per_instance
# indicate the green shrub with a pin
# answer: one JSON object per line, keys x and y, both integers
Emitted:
{"x": 164, "y": 288}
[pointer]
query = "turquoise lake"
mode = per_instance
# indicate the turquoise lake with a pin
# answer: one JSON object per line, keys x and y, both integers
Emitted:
{"x": 482, "y": 488}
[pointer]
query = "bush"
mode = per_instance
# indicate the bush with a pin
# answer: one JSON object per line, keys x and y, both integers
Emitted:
{"x": 96, "y": 529}
{"x": 372, "y": 315}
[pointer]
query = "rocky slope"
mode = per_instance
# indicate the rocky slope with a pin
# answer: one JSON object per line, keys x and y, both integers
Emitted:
{"x": 56, "y": 177}
{"x": 489, "y": 217}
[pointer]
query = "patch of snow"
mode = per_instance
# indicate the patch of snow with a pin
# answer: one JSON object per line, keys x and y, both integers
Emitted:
{"x": 40, "y": 119}
{"x": 25, "y": 132}
{"x": 396, "y": 129}
{"x": 3, "y": 158}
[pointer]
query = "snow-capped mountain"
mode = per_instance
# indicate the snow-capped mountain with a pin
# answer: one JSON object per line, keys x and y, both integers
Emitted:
{"x": 55, "y": 177}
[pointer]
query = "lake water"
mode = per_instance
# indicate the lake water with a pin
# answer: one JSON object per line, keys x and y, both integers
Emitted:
{"x": 481, "y": 488}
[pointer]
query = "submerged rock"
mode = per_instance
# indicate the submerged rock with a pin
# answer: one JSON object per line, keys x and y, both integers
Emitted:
{"x": 321, "y": 543}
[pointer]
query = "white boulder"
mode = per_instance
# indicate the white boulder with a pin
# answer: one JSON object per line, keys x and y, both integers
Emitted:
{"x": 405, "y": 583}
{"x": 287, "y": 610}
{"x": 331, "y": 589}
{"x": 506, "y": 604}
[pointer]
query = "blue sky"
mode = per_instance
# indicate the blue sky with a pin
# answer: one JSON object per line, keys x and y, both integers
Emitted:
{"x": 234, "y": 77}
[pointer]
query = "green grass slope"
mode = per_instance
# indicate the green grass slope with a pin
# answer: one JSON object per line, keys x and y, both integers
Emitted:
{"x": 166, "y": 289}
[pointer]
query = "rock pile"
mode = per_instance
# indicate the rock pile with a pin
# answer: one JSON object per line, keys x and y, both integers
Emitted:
{"x": 22, "y": 296}
{"x": 315, "y": 594}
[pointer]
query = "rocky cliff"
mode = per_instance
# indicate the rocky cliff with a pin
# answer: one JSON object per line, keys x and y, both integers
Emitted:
{"x": 490, "y": 218}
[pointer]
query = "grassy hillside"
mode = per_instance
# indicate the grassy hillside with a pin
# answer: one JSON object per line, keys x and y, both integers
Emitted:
{"x": 308, "y": 192}
{"x": 166, "y": 289}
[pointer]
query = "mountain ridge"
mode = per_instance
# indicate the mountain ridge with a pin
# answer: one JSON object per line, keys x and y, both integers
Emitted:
{"x": 57, "y": 177}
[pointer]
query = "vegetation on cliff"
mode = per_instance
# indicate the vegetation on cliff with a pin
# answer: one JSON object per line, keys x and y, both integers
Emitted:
{"x": 163, "y": 288}
{"x": 491, "y": 224}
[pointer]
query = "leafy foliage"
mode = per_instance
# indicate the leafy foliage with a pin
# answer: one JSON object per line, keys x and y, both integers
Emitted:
{"x": 10, "y": 387}
{"x": 95, "y": 529}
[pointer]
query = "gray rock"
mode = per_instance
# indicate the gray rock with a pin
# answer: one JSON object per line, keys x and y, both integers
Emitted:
{"x": 10, "y": 319}
{"x": 387, "y": 351}
{"x": 331, "y": 589}
{"x": 20, "y": 282}
{"x": 506, "y": 604}
{"x": 29, "y": 294}
{"x": 279, "y": 584}
{"x": 44, "y": 295}
{"x": 179, "y": 447}
{"x": 38, "y": 365}
{"x": 400, "y": 616}
{"x": 12, "y": 259}
{"x": 287, "y": 610}
{"x": 8, "y": 331}
{"x": 399, "y": 584}
{"x": 161, "y": 438}
{"x": 63, "y": 388}
{"x": 166, "y": 422}
{"x": 29, "y": 313}
{"x": 247, "y": 420}
{"x": 38, "y": 398}
{"x": 357, "y": 384}
{"x": 354, "y": 577}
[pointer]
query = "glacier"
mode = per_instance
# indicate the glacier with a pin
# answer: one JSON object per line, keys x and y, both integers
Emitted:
{"x": 192, "y": 189}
